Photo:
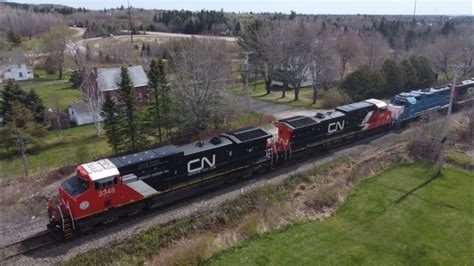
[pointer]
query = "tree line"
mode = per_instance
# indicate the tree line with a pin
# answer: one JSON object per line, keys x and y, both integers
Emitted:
{"x": 391, "y": 79}
{"x": 321, "y": 53}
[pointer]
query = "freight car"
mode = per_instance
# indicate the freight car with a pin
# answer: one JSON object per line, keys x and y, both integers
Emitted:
{"x": 104, "y": 190}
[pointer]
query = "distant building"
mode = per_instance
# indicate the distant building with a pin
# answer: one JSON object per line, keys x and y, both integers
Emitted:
{"x": 105, "y": 81}
{"x": 280, "y": 76}
{"x": 15, "y": 72}
{"x": 13, "y": 65}
{"x": 80, "y": 114}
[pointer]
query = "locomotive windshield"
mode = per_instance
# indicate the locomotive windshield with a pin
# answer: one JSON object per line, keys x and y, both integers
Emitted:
{"x": 75, "y": 185}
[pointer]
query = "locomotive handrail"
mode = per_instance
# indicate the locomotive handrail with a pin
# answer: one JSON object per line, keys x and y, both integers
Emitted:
{"x": 62, "y": 216}
{"x": 70, "y": 214}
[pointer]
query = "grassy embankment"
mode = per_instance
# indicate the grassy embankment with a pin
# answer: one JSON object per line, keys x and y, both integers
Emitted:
{"x": 399, "y": 217}
{"x": 80, "y": 144}
{"x": 376, "y": 224}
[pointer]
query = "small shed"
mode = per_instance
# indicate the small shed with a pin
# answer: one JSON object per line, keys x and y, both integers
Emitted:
{"x": 80, "y": 114}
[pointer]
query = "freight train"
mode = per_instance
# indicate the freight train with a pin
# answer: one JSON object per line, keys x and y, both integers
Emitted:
{"x": 105, "y": 190}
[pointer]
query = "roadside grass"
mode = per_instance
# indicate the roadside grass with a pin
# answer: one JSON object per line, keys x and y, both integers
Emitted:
{"x": 401, "y": 216}
{"x": 257, "y": 91}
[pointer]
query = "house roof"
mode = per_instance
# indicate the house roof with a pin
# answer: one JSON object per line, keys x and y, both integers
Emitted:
{"x": 80, "y": 108}
{"x": 108, "y": 78}
{"x": 12, "y": 57}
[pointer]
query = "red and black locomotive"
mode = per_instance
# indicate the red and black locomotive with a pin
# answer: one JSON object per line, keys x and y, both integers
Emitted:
{"x": 104, "y": 190}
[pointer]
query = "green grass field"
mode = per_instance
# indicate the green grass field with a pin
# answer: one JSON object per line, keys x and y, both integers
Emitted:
{"x": 257, "y": 91}
{"x": 80, "y": 145}
{"x": 399, "y": 217}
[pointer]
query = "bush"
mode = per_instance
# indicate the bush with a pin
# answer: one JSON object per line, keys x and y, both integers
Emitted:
{"x": 327, "y": 196}
{"x": 424, "y": 140}
{"x": 333, "y": 98}
{"x": 50, "y": 66}
{"x": 249, "y": 227}
{"x": 192, "y": 252}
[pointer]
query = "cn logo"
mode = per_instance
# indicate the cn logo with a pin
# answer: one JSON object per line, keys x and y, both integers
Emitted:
{"x": 199, "y": 165}
{"x": 336, "y": 126}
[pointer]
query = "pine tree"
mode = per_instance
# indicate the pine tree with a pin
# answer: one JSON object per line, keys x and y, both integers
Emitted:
{"x": 159, "y": 102}
{"x": 20, "y": 131}
{"x": 112, "y": 124}
{"x": 411, "y": 79}
{"x": 154, "y": 105}
{"x": 13, "y": 93}
{"x": 394, "y": 77}
{"x": 128, "y": 107}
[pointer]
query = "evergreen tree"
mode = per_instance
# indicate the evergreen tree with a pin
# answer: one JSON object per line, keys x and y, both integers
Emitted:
{"x": 13, "y": 93}
{"x": 363, "y": 83}
{"x": 159, "y": 102}
{"x": 20, "y": 132}
{"x": 34, "y": 103}
{"x": 411, "y": 78}
{"x": 424, "y": 72}
{"x": 128, "y": 108}
{"x": 394, "y": 77}
{"x": 154, "y": 101}
{"x": 112, "y": 124}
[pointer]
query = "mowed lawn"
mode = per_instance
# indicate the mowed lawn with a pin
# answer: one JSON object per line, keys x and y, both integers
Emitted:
{"x": 381, "y": 223}
{"x": 257, "y": 91}
{"x": 80, "y": 145}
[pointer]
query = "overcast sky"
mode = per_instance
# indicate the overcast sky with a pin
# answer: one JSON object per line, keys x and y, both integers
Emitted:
{"x": 387, "y": 7}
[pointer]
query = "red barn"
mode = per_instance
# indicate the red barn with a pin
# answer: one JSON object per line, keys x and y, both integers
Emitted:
{"x": 104, "y": 81}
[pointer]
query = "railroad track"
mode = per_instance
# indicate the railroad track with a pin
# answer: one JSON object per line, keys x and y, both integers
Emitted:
{"x": 36, "y": 241}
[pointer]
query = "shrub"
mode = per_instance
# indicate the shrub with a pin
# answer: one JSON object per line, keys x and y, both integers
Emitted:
{"x": 192, "y": 252}
{"x": 423, "y": 143}
{"x": 249, "y": 227}
{"x": 333, "y": 98}
{"x": 328, "y": 195}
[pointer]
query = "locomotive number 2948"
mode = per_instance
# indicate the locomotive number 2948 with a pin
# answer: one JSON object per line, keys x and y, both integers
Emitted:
{"x": 106, "y": 191}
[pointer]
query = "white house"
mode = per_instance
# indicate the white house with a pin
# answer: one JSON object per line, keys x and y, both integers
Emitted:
{"x": 80, "y": 114}
{"x": 16, "y": 72}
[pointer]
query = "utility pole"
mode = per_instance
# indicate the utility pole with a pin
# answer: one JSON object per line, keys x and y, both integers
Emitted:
{"x": 130, "y": 21}
{"x": 414, "y": 14}
{"x": 444, "y": 136}
{"x": 246, "y": 73}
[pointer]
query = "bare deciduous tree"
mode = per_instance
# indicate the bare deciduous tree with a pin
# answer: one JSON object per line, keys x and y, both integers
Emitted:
{"x": 94, "y": 99}
{"x": 444, "y": 52}
{"x": 375, "y": 49}
{"x": 55, "y": 45}
{"x": 202, "y": 70}
{"x": 322, "y": 68}
{"x": 347, "y": 48}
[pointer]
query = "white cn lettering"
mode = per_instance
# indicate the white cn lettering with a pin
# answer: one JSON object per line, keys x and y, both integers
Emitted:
{"x": 197, "y": 165}
{"x": 336, "y": 126}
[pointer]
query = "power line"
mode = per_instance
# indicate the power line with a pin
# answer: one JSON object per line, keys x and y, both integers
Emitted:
{"x": 130, "y": 21}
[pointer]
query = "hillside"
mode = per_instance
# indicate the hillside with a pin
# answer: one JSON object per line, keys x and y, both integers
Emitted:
{"x": 401, "y": 216}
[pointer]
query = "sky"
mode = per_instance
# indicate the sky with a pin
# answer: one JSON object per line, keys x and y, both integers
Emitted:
{"x": 379, "y": 7}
